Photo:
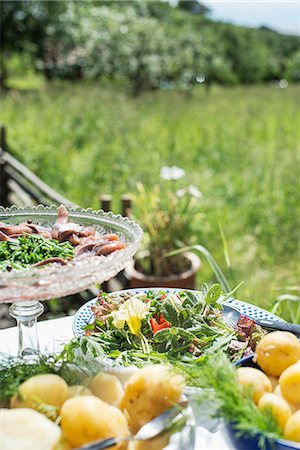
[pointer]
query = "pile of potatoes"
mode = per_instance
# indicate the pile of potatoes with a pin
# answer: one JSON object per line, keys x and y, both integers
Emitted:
{"x": 277, "y": 386}
{"x": 47, "y": 414}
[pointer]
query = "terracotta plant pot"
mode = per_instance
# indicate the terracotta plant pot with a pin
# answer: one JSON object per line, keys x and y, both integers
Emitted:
{"x": 185, "y": 280}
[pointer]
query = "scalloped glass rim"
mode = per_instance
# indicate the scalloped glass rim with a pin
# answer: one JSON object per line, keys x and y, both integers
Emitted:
{"x": 57, "y": 281}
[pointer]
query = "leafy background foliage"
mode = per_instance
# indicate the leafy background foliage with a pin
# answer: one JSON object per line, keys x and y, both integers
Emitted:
{"x": 145, "y": 44}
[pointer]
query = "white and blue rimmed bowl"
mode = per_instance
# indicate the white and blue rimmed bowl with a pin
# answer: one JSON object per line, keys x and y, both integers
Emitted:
{"x": 85, "y": 316}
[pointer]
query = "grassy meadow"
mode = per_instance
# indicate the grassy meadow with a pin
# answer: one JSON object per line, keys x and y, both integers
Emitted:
{"x": 240, "y": 146}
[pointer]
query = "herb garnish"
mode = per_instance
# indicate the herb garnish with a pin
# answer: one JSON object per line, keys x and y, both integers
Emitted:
{"x": 218, "y": 378}
{"x": 14, "y": 371}
{"x": 30, "y": 249}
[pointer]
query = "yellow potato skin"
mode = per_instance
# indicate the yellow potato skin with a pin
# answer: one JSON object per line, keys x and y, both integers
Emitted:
{"x": 293, "y": 406}
{"x": 107, "y": 387}
{"x": 50, "y": 389}
{"x": 256, "y": 379}
{"x": 87, "y": 418}
{"x": 279, "y": 407}
{"x": 62, "y": 445}
{"x": 289, "y": 382}
{"x": 276, "y": 352}
{"x": 149, "y": 392}
{"x": 158, "y": 443}
{"x": 79, "y": 390}
{"x": 274, "y": 382}
{"x": 16, "y": 401}
{"x": 292, "y": 428}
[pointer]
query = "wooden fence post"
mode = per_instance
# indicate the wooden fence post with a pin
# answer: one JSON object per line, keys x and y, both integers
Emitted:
{"x": 105, "y": 202}
{"x": 3, "y": 141}
{"x": 4, "y": 190}
{"x": 126, "y": 205}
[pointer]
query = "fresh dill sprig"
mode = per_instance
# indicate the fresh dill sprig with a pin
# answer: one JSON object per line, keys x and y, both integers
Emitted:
{"x": 14, "y": 371}
{"x": 234, "y": 403}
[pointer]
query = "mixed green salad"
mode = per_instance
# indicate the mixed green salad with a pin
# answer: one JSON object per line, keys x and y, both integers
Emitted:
{"x": 179, "y": 327}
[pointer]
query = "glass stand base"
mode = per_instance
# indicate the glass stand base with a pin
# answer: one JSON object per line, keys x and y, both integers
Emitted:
{"x": 26, "y": 314}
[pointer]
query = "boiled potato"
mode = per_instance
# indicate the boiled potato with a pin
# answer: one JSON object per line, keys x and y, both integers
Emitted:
{"x": 276, "y": 352}
{"x": 79, "y": 390}
{"x": 148, "y": 393}
{"x": 122, "y": 373}
{"x": 279, "y": 407}
{"x": 107, "y": 387}
{"x": 289, "y": 382}
{"x": 26, "y": 429}
{"x": 46, "y": 389}
{"x": 293, "y": 406}
{"x": 157, "y": 443}
{"x": 292, "y": 428}
{"x": 274, "y": 382}
{"x": 256, "y": 380}
{"x": 62, "y": 445}
{"x": 87, "y": 418}
{"x": 16, "y": 401}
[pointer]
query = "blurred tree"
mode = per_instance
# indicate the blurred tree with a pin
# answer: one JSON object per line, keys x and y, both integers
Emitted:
{"x": 249, "y": 56}
{"x": 31, "y": 27}
{"x": 282, "y": 48}
{"x": 293, "y": 67}
{"x": 147, "y": 44}
{"x": 123, "y": 43}
{"x": 193, "y": 6}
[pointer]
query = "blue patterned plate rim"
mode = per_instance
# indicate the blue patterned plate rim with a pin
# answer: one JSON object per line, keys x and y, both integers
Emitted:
{"x": 84, "y": 314}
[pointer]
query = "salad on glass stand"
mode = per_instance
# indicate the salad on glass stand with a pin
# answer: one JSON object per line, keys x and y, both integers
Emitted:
{"x": 48, "y": 252}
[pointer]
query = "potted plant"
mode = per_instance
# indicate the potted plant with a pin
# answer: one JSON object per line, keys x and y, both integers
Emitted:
{"x": 168, "y": 218}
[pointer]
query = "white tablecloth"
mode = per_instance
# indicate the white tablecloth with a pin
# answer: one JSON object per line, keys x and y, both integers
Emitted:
{"x": 53, "y": 332}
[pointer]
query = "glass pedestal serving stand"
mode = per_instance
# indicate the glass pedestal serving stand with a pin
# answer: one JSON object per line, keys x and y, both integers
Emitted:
{"x": 26, "y": 315}
{"x": 25, "y": 288}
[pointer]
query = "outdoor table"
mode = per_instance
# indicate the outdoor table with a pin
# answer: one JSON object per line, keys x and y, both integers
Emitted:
{"x": 51, "y": 335}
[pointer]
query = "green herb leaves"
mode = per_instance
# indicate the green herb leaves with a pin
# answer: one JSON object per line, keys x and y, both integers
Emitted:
{"x": 182, "y": 325}
{"x": 213, "y": 294}
{"x": 30, "y": 249}
{"x": 235, "y": 404}
{"x": 14, "y": 371}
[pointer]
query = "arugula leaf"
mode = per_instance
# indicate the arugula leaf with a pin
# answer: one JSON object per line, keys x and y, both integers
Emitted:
{"x": 193, "y": 299}
{"x": 213, "y": 294}
{"x": 170, "y": 314}
{"x": 220, "y": 343}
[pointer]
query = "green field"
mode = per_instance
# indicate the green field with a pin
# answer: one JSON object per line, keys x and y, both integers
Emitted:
{"x": 240, "y": 146}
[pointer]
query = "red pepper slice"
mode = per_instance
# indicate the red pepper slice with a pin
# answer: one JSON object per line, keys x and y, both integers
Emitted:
{"x": 160, "y": 325}
{"x": 162, "y": 320}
